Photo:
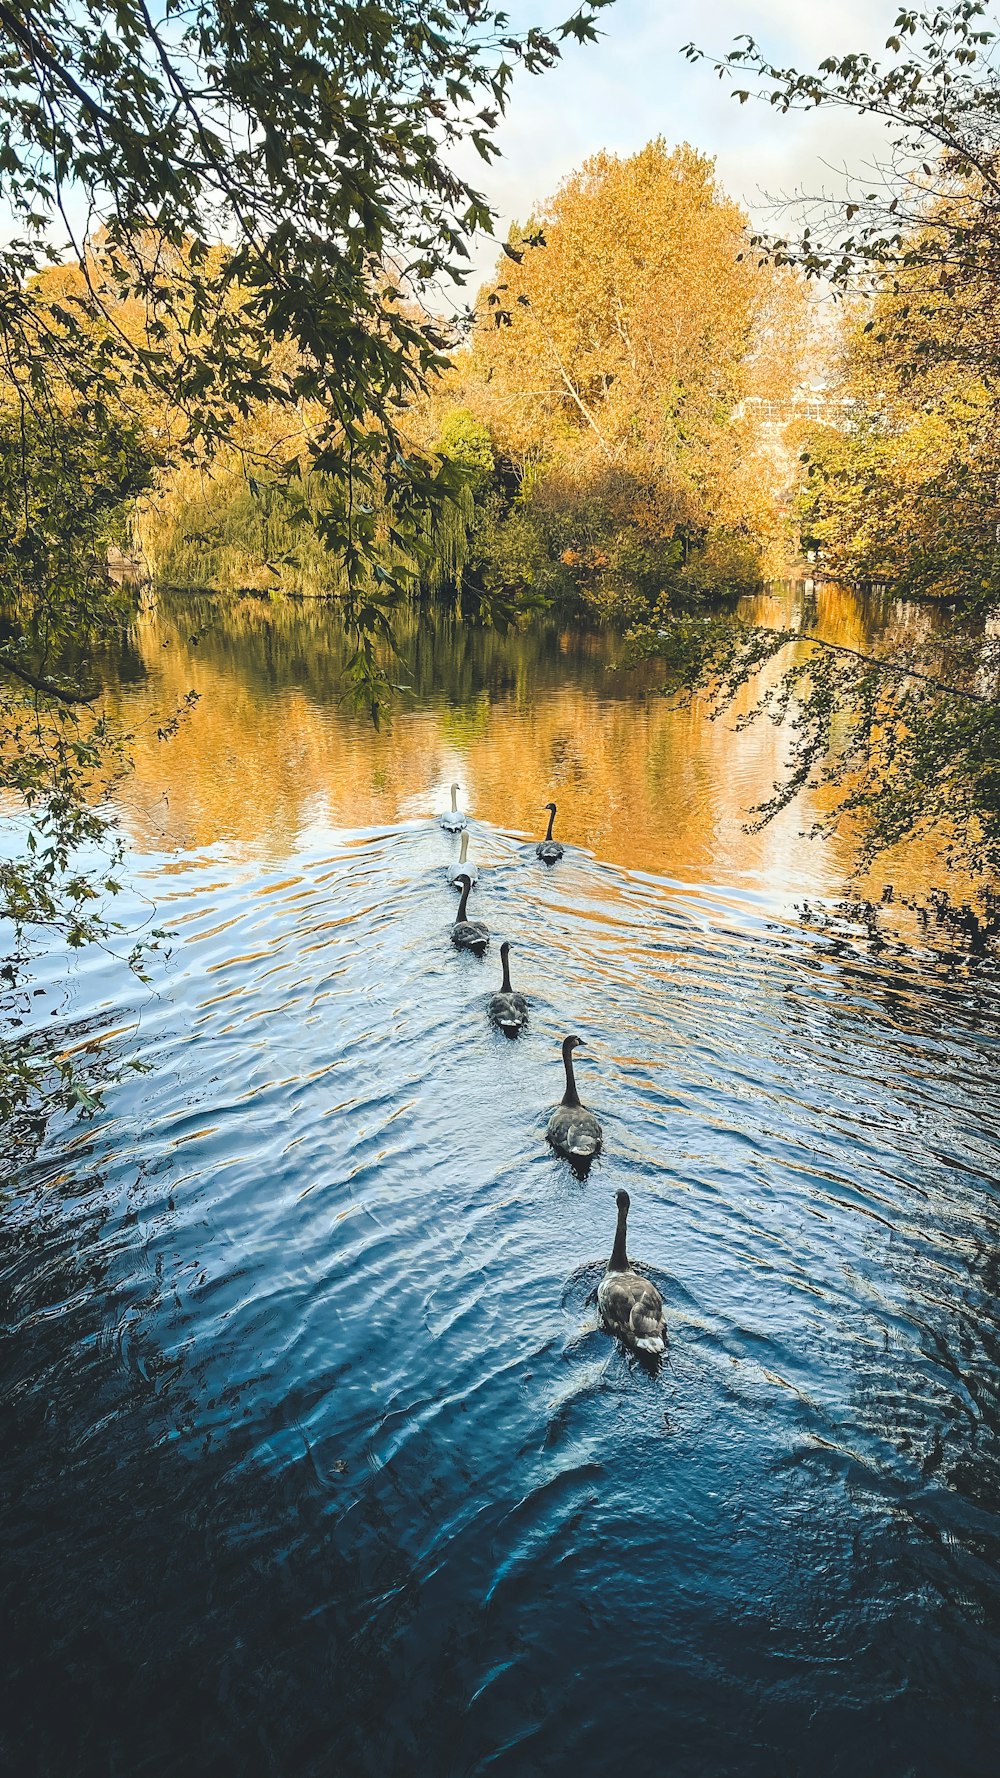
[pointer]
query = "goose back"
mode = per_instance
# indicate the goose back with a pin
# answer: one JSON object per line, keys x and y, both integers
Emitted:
{"x": 469, "y": 935}
{"x": 630, "y": 1305}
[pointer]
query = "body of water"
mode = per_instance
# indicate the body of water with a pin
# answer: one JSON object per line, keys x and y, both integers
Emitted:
{"x": 313, "y": 1454}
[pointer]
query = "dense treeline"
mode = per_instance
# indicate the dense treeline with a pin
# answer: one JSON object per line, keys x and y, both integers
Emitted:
{"x": 602, "y": 413}
{"x": 604, "y": 416}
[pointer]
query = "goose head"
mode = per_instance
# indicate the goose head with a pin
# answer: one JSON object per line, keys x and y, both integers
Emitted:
{"x": 623, "y": 1201}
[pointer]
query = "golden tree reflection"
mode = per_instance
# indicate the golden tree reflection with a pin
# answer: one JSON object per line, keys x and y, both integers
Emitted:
{"x": 272, "y": 752}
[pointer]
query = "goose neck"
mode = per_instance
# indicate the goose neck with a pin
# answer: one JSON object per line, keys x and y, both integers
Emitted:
{"x": 548, "y": 830}
{"x": 619, "y": 1259}
{"x": 570, "y": 1096}
{"x": 464, "y": 903}
{"x": 505, "y": 984}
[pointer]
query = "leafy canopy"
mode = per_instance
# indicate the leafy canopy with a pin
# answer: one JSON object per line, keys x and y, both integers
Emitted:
{"x": 263, "y": 206}
{"x": 273, "y": 189}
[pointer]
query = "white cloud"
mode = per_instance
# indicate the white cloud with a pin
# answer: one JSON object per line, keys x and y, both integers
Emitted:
{"x": 635, "y": 84}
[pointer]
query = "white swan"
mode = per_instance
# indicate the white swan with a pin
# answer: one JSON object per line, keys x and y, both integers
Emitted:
{"x": 463, "y": 868}
{"x": 453, "y": 819}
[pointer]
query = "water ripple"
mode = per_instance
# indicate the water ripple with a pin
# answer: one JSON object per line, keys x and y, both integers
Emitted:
{"x": 305, "y": 1392}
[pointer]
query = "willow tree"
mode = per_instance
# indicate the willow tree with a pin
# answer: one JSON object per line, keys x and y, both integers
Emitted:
{"x": 263, "y": 205}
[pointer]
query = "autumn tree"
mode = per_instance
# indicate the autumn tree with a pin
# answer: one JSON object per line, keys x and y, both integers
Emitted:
{"x": 615, "y": 358}
{"x": 262, "y": 207}
{"x": 906, "y": 490}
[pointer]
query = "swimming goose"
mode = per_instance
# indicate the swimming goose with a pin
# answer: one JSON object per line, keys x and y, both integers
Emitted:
{"x": 572, "y": 1129}
{"x": 630, "y": 1305}
{"x": 508, "y": 1010}
{"x": 468, "y": 935}
{"x": 453, "y": 819}
{"x": 549, "y": 849}
{"x": 463, "y": 867}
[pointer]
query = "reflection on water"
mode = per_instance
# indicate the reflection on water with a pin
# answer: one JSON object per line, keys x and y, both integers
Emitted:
{"x": 312, "y": 1453}
{"x": 272, "y": 757}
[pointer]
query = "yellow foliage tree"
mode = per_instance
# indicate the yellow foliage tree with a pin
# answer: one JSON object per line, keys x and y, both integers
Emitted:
{"x": 616, "y": 353}
{"x": 907, "y": 490}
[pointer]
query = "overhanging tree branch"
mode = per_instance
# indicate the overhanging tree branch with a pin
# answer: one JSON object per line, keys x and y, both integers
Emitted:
{"x": 47, "y": 686}
{"x": 884, "y": 666}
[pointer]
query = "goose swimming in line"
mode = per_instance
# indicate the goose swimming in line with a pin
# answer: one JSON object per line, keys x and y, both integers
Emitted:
{"x": 469, "y": 935}
{"x": 453, "y": 819}
{"x": 630, "y": 1305}
{"x": 572, "y": 1129}
{"x": 463, "y": 867}
{"x": 549, "y": 849}
{"x": 508, "y": 1010}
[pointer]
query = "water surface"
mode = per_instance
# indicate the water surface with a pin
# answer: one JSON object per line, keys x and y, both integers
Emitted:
{"x": 313, "y": 1454}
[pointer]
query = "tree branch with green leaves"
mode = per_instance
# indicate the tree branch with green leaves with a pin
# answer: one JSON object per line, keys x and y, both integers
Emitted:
{"x": 902, "y": 484}
{"x": 218, "y": 212}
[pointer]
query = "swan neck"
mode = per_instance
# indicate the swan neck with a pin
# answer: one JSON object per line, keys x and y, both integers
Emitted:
{"x": 463, "y": 904}
{"x": 454, "y": 801}
{"x": 570, "y": 1096}
{"x": 505, "y": 984}
{"x": 548, "y": 831}
{"x": 464, "y": 853}
{"x": 619, "y": 1259}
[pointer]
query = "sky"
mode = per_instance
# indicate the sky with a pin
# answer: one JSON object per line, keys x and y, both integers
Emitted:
{"x": 635, "y": 84}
